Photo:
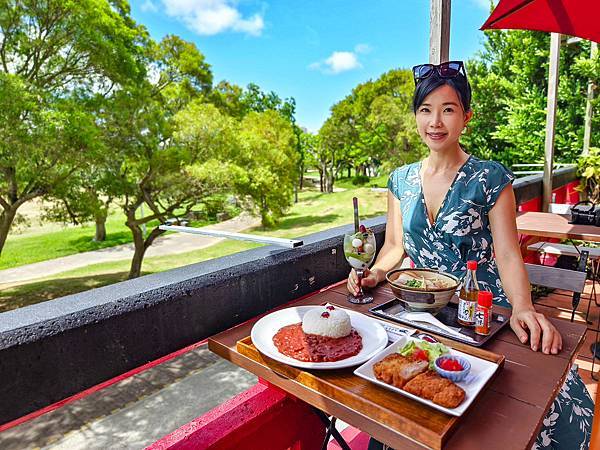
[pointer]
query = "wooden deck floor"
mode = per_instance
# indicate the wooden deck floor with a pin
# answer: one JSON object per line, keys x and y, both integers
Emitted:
{"x": 558, "y": 304}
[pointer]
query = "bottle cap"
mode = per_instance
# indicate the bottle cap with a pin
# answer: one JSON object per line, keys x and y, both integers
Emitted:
{"x": 485, "y": 298}
{"x": 472, "y": 265}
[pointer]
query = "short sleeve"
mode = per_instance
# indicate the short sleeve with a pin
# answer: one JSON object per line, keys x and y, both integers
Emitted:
{"x": 497, "y": 178}
{"x": 395, "y": 181}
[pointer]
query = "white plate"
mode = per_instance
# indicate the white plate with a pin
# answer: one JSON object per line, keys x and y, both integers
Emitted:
{"x": 481, "y": 372}
{"x": 374, "y": 337}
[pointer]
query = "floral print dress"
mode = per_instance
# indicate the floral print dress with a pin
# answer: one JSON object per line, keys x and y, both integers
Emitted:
{"x": 461, "y": 232}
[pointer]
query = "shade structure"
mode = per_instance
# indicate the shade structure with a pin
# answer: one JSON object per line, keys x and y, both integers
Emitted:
{"x": 579, "y": 18}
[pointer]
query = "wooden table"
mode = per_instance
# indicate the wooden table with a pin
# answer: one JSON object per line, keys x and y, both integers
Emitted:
{"x": 507, "y": 414}
{"x": 555, "y": 226}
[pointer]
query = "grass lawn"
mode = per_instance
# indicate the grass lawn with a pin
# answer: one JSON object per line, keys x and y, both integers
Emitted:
{"x": 314, "y": 212}
{"x": 380, "y": 181}
{"x": 34, "y": 247}
{"x": 97, "y": 275}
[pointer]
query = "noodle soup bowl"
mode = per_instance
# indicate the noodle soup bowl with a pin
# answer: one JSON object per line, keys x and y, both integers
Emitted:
{"x": 439, "y": 289}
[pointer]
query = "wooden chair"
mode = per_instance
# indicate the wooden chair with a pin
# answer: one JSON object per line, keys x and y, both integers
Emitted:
{"x": 556, "y": 278}
{"x": 593, "y": 256}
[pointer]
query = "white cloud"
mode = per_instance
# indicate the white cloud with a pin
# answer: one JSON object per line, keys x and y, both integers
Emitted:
{"x": 149, "y": 6}
{"x": 210, "y": 17}
{"x": 338, "y": 62}
{"x": 362, "y": 48}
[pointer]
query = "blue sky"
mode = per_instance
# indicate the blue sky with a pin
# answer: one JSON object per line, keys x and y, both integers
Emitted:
{"x": 314, "y": 51}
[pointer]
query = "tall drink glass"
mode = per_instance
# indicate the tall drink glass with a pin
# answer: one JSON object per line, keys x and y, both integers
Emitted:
{"x": 359, "y": 250}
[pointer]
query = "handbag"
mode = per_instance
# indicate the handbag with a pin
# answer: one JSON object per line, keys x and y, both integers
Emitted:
{"x": 585, "y": 213}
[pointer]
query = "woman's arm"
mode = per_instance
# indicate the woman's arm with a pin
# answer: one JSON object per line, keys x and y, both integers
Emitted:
{"x": 390, "y": 255}
{"x": 515, "y": 280}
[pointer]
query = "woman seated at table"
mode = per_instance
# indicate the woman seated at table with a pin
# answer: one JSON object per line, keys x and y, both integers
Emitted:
{"x": 453, "y": 207}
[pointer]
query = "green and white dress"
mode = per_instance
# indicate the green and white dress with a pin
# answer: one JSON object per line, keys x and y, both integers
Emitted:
{"x": 461, "y": 232}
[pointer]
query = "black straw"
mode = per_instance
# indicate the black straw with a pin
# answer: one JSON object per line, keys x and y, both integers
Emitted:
{"x": 355, "y": 203}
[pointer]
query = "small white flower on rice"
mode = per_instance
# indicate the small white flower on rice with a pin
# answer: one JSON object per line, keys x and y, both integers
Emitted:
{"x": 335, "y": 325}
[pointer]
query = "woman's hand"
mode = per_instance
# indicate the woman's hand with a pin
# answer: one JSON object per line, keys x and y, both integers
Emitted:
{"x": 542, "y": 333}
{"x": 369, "y": 280}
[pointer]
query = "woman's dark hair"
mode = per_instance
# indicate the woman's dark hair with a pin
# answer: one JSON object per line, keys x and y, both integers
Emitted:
{"x": 459, "y": 83}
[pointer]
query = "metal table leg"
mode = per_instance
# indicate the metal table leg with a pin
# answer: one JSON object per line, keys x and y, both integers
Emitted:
{"x": 581, "y": 266}
{"x": 595, "y": 349}
{"x": 331, "y": 430}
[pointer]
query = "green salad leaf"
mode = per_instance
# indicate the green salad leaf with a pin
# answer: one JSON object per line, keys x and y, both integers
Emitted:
{"x": 434, "y": 350}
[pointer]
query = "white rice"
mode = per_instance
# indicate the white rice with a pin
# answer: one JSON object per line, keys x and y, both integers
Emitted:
{"x": 335, "y": 326}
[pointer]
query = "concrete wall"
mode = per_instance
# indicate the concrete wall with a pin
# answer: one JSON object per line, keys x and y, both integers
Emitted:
{"x": 55, "y": 349}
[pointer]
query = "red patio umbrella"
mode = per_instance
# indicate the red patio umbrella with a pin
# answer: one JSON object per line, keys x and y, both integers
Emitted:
{"x": 579, "y": 18}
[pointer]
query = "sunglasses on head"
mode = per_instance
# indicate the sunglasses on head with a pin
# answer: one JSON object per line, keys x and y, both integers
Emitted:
{"x": 449, "y": 69}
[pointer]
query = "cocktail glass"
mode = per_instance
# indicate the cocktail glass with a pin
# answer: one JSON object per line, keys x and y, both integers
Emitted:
{"x": 359, "y": 250}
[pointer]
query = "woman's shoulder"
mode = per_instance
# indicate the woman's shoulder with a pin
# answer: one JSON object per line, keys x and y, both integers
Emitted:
{"x": 489, "y": 168}
{"x": 403, "y": 172}
{"x": 404, "y": 178}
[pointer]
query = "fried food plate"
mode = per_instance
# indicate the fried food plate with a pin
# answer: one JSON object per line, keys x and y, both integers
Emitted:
{"x": 374, "y": 337}
{"x": 480, "y": 374}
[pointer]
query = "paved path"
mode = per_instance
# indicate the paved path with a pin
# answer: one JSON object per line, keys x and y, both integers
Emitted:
{"x": 164, "y": 245}
{"x": 137, "y": 411}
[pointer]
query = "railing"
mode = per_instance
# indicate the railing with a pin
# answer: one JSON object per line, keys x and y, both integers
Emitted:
{"x": 52, "y": 350}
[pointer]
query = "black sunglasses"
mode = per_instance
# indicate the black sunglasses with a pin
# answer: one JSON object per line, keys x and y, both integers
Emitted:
{"x": 449, "y": 69}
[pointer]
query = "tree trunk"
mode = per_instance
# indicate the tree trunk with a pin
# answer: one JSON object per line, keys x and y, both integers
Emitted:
{"x": 100, "y": 227}
{"x": 136, "y": 262}
{"x": 140, "y": 245}
{"x": 321, "y": 180}
{"x": 6, "y": 220}
{"x": 330, "y": 181}
{"x": 139, "y": 250}
{"x": 301, "y": 181}
{"x": 349, "y": 173}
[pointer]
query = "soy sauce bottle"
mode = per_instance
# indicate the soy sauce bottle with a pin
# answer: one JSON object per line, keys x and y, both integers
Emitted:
{"x": 469, "y": 292}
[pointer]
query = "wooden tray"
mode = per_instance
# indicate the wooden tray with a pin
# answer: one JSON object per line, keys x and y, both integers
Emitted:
{"x": 412, "y": 419}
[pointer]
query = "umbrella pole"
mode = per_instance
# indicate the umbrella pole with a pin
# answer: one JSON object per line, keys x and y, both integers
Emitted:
{"x": 550, "y": 119}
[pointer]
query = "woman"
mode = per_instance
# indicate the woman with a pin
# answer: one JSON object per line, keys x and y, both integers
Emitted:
{"x": 452, "y": 207}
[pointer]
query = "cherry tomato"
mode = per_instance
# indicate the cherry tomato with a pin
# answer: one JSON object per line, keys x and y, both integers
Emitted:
{"x": 420, "y": 355}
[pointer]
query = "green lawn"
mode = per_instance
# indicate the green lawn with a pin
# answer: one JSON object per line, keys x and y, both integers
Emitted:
{"x": 380, "y": 181}
{"x": 39, "y": 246}
{"x": 314, "y": 212}
{"x": 97, "y": 275}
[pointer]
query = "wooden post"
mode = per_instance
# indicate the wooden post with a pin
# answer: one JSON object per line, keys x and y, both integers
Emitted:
{"x": 439, "y": 31}
{"x": 550, "y": 119}
{"x": 587, "y": 130}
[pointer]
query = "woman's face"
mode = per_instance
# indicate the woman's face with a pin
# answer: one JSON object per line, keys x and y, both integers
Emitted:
{"x": 441, "y": 119}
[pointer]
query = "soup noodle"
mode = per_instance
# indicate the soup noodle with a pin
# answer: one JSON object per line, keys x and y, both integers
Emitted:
{"x": 424, "y": 280}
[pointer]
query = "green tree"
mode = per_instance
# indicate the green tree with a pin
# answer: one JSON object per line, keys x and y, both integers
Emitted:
{"x": 510, "y": 84}
{"x": 267, "y": 163}
{"x": 372, "y": 126}
{"x": 151, "y": 163}
{"x": 49, "y": 51}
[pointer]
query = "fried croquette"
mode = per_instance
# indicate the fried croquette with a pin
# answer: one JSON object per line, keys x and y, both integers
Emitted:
{"x": 433, "y": 387}
{"x": 396, "y": 369}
